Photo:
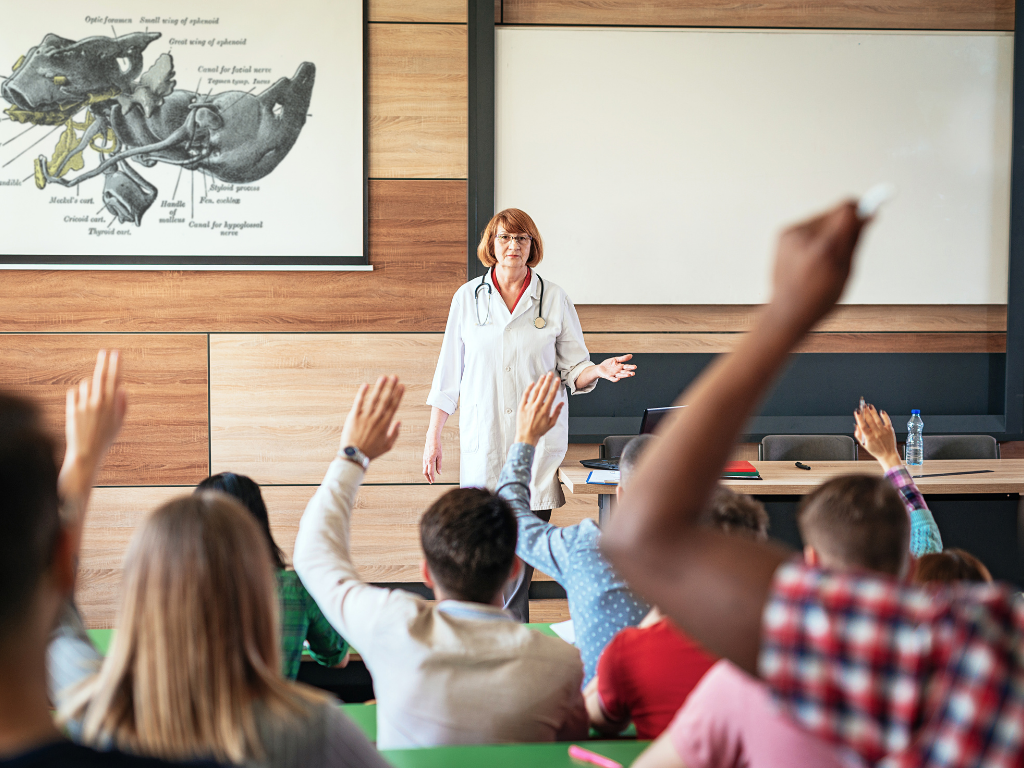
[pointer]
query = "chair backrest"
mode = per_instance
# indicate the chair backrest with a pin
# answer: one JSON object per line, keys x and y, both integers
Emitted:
{"x": 614, "y": 445}
{"x": 807, "y": 448}
{"x": 960, "y": 447}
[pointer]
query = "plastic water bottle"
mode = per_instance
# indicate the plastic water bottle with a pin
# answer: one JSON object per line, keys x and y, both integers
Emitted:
{"x": 915, "y": 440}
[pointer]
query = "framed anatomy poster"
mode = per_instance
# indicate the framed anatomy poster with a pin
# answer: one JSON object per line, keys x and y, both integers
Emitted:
{"x": 193, "y": 134}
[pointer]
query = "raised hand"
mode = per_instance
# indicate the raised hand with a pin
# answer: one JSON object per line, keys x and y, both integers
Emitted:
{"x": 712, "y": 585}
{"x": 875, "y": 433}
{"x": 95, "y": 411}
{"x": 370, "y": 425}
{"x": 538, "y": 411}
{"x": 812, "y": 264}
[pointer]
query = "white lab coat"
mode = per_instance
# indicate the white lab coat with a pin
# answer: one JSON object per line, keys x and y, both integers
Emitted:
{"x": 488, "y": 367}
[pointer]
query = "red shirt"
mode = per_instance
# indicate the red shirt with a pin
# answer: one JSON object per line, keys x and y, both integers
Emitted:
{"x": 526, "y": 282}
{"x": 646, "y": 674}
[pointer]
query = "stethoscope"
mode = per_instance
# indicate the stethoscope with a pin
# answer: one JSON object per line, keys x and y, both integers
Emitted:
{"x": 540, "y": 322}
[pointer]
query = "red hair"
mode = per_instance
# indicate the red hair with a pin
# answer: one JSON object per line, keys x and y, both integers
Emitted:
{"x": 515, "y": 222}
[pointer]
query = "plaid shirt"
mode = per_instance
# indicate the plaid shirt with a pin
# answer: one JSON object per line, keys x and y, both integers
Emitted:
{"x": 924, "y": 533}
{"x": 904, "y": 675}
{"x": 301, "y": 620}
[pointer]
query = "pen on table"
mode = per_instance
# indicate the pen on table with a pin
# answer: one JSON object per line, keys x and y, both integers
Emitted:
{"x": 579, "y": 753}
{"x": 801, "y": 465}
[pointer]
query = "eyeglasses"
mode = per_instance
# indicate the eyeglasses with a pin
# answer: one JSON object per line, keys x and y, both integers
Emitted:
{"x": 521, "y": 239}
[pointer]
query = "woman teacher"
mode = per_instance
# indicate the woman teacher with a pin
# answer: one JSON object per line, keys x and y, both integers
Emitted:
{"x": 504, "y": 330}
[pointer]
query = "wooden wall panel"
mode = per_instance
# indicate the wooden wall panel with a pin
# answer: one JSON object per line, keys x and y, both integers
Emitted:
{"x": 114, "y": 513}
{"x": 841, "y": 14}
{"x": 385, "y": 525}
{"x": 417, "y": 247}
{"x": 604, "y": 343}
{"x": 418, "y": 101}
{"x": 278, "y": 403}
{"x": 164, "y": 440}
{"x": 429, "y": 11}
{"x": 846, "y": 318}
{"x": 385, "y": 535}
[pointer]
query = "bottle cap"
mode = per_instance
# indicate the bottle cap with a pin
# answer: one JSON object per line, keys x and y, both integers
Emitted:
{"x": 915, "y": 411}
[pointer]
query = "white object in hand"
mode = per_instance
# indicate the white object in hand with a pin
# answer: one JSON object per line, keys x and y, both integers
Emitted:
{"x": 874, "y": 199}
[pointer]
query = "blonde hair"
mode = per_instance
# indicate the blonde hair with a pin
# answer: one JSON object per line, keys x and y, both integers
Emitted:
{"x": 514, "y": 221}
{"x": 197, "y": 643}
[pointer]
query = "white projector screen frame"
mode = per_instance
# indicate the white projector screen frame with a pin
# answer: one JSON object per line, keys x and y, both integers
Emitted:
{"x": 660, "y": 164}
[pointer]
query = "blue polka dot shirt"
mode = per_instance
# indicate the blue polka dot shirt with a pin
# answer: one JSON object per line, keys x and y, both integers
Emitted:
{"x": 600, "y": 602}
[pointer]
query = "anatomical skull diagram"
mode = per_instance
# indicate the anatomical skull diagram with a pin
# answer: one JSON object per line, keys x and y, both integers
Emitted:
{"x": 97, "y": 90}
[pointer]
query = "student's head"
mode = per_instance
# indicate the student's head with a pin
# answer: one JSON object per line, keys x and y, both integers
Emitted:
{"x": 514, "y": 222}
{"x": 950, "y": 565}
{"x": 469, "y": 542}
{"x": 630, "y": 458}
{"x": 197, "y": 639}
{"x": 736, "y": 513}
{"x": 247, "y": 491}
{"x": 856, "y": 522}
{"x": 35, "y": 562}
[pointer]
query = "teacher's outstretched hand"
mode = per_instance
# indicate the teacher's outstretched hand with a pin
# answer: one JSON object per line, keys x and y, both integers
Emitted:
{"x": 612, "y": 369}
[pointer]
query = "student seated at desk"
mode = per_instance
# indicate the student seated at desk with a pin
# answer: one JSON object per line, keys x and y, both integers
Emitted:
{"x": 901, "y": 675}
{"x": 647, "y": 672}
{"x": 856, "y": 523}
{"x": 194, "y": 669}
{"x": 950, "y": 566}
{"x": 600, "y": 601}
{"x": 37, "y": 573}
{"x": 301, "y": 620}
{"x": 461, "y": 670}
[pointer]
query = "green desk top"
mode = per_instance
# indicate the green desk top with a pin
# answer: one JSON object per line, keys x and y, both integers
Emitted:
{"x": 365, "y": 716}
{"x": 101, "y": 638}
{"x": 543, "y": 628}
{"x": 518, "y": 755}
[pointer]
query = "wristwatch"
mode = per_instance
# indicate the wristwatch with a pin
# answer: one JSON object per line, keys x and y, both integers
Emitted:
{"x": 356, "y": 456}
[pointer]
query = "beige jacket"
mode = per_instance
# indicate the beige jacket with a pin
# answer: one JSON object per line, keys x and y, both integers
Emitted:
{"x": 445, "y": 673}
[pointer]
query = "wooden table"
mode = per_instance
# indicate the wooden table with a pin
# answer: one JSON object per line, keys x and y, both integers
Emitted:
{"x": 977, "y": 512}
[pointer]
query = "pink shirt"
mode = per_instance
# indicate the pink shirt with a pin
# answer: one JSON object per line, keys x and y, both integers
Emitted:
{"x": 730, "y": 721}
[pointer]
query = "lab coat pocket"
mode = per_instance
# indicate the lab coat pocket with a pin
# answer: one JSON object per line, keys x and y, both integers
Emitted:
{"x": 556, "y": 441}
{"x": 469, "y": 430}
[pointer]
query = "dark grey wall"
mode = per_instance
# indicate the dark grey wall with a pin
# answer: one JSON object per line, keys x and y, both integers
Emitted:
{"x": 816, "y": 393}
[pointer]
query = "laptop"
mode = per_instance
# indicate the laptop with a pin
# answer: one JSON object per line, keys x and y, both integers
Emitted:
{"x": 652, "y": 417}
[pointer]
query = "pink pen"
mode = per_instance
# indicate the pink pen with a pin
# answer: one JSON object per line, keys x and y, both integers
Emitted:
{"x": 587, "y": 756}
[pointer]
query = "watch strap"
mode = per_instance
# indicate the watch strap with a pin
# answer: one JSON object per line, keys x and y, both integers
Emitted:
{"x": 356, "y": 456}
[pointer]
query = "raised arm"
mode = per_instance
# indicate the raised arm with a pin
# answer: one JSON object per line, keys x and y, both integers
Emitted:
{"x": 540, "y": 544}
{"x": 322, "y": 555}
{"x": 94, "y": 414}
{"x": 874, "y": 431}
{"x": 711, "y": 584}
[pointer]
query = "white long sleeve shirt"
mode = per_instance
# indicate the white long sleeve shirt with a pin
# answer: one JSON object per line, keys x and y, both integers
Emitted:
{"x": 446, "y": 673}
{"x": 484, "y": 369}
